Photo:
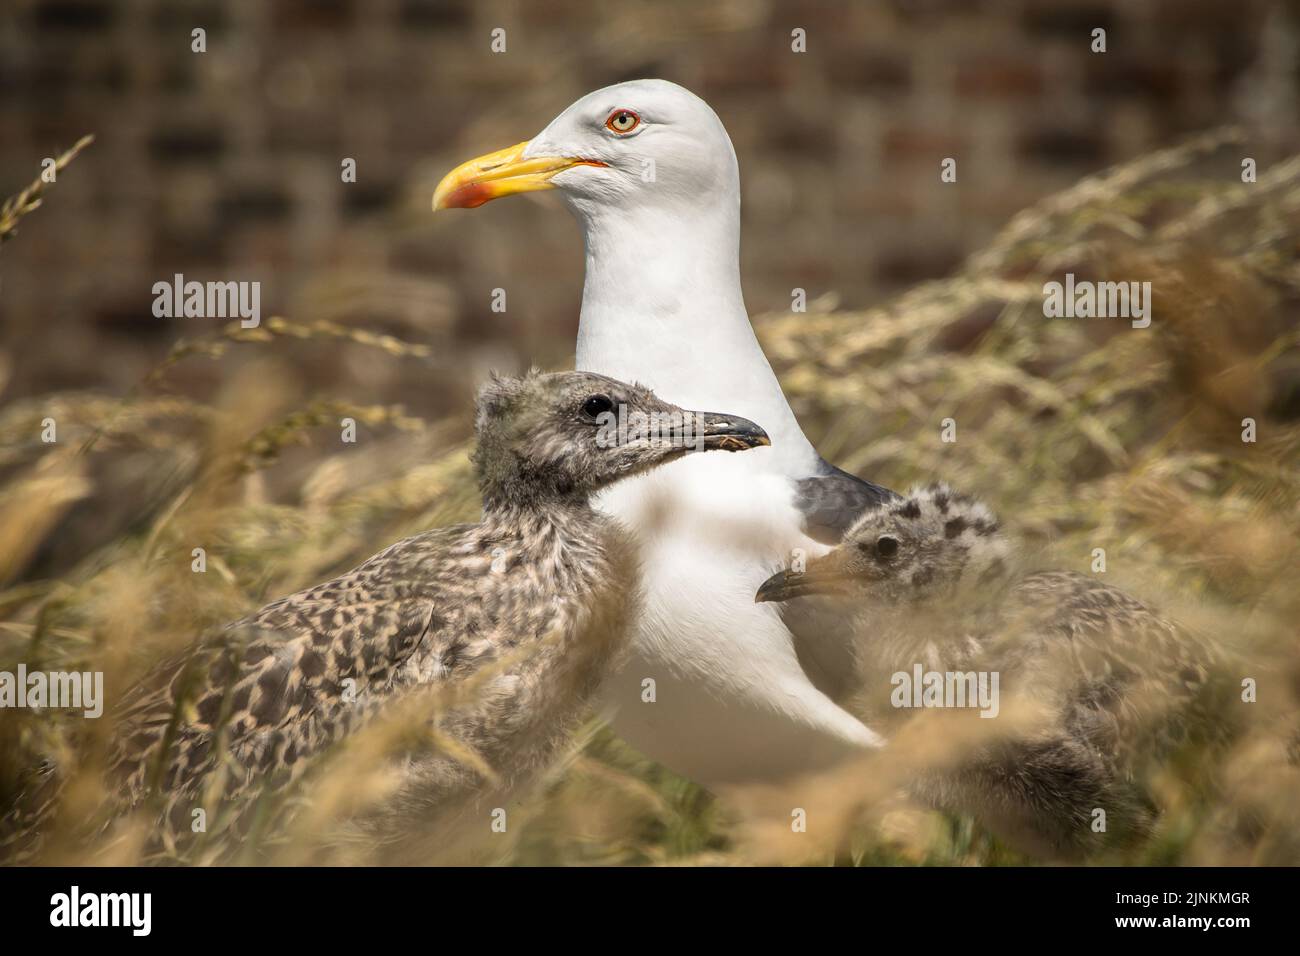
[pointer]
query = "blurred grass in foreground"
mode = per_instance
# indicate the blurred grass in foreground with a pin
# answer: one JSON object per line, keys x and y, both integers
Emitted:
{"x": 1082, "y": 433}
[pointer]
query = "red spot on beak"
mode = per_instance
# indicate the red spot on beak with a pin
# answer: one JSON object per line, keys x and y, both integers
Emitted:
{"x": 470, "y": 196}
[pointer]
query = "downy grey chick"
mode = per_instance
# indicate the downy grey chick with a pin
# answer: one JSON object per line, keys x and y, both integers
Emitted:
{"x": 513, "y": 621}
{"x": 931, "y": 583}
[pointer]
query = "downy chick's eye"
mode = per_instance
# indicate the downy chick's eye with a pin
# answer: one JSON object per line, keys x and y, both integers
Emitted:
{"x": 886, "y": 547}
{"x": 622, "y": 121}
{"x": 597, "y": 405}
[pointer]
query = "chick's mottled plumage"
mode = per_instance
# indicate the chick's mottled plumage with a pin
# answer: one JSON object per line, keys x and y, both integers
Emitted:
{"x": 311, "y": 669}
{"x": 529, "y": 606}
{"x": 931, "y": 581}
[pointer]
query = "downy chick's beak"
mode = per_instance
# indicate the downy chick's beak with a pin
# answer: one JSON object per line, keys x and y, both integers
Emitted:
{"x": 502, "y": 173}
{"x": 730, "y": 432}
{"x": 825, "y": 576}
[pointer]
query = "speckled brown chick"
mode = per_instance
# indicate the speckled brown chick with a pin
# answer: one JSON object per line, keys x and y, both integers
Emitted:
{"x": 516, "y": 618}
{"x": 931, "y": 580}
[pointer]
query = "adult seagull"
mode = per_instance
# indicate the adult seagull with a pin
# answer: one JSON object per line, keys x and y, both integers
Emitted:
{"x": 719, "y": 688}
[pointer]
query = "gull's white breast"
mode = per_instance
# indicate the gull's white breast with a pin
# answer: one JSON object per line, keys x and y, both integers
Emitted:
{"x": 730, "y": 700}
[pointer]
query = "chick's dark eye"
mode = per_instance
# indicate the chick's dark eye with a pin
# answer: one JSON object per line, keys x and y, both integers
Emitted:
{"x": 622, "y": 121}
{"x": 597, "y": 405}
{"x": 886, "y": 547}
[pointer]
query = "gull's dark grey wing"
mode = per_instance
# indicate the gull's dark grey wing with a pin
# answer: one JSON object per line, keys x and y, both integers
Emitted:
{"x": 823, "y": 643}
{"x": 832, "y": 499}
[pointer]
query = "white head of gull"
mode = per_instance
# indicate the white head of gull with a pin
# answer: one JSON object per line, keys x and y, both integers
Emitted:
{"x": 741, "y": 692}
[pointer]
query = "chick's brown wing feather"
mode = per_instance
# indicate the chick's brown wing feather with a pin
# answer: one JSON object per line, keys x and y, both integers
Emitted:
{"x": 1128, "y": 678}
{"x": 277, "y": 686}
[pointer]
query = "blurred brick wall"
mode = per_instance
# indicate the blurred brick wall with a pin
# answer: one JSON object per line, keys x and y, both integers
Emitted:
{"x": 225, "y": 165}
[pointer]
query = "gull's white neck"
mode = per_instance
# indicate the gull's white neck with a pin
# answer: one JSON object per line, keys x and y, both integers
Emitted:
{"x": 662, "y": 305}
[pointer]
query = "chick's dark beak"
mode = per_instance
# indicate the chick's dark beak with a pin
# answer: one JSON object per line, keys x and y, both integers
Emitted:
{"x": 823, "y": 576}
{"x": 782, "y": 586}
{"x": 730, "y": 432}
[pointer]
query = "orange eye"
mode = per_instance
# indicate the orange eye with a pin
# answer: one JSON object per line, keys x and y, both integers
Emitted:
{"x": 622, "y": 121}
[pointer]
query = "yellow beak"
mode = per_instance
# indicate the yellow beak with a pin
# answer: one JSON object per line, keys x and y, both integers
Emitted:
{"x": 498, "y": 174}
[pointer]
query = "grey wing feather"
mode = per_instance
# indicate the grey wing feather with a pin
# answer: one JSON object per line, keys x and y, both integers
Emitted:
{"x": 823, "y": 644}
{"x": 830, "y": 501}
